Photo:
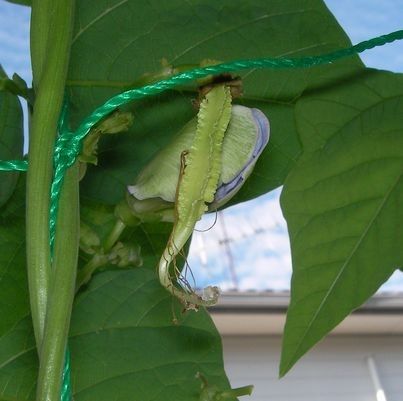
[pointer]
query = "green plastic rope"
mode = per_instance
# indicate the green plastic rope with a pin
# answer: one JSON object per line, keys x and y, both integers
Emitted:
{"x": 238, "y": 65}
{"x": 67, "y": 148}
{"x": 65, "y": 391}
{"x": 14, "y": 165}
{"x": 68, "y": 144}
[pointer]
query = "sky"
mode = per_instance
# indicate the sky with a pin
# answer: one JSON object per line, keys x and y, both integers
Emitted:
{"x": 246, "y": 247}
{"x": 14, "y": 39}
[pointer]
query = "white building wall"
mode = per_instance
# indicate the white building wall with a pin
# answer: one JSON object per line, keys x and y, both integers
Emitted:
{"x": 335, "y": 370}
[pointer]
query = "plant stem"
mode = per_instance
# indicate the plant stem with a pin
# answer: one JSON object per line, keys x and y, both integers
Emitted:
{"x": 63, "y": 279}
{"x": 40, "y": 27}
{"x": 114, "y": 235}
{"x": 85, "y": 274}
{"x": 50, "y": 56}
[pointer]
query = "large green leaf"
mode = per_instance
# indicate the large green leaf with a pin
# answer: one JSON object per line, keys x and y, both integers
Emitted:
{"x": 116, "y": 42}
{"x": 11, "y": 138}
{"x": 125, "y": 341}
{"x": 21, "y": 2}
{"x": 17, "y": 351}
{"x": 343, "y": 203}
{"x": 14, "y": 303}
{"x": 126, "y": 346}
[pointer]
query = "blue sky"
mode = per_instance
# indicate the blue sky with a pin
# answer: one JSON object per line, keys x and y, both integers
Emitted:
{"x": 250, "y": 238}
{"x": 14, "y": 39}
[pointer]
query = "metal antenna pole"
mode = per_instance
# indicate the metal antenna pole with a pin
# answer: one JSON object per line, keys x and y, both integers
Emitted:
{"x": 226, "y": 243}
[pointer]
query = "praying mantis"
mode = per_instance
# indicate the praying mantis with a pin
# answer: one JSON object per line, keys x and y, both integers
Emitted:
{"x": 202, "y": 169}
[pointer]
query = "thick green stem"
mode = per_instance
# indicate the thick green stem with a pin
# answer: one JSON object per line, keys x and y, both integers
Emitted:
{"x": 41, "y": 17}
{"x": 62, "y": 284}
{"x": 50, "y": 56}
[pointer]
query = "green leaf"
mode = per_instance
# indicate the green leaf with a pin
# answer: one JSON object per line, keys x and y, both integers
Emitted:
{"x": 18, "y": 362}
{"x": 126, "y": 346}
{"x": 105, "y": 60}
{"x": 14, "y": 304}
{"x": 11, "y": 138}
{"x": 342, "y": 202}
{"x": 21, "y": 2}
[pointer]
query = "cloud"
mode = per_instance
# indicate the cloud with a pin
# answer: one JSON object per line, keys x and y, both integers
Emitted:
{"x": 256, "y": 247}
{"x": 395, "y": 283}
{"x": 250, "y": 239}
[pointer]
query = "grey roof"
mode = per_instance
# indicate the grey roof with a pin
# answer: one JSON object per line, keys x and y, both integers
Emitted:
{"x": 278, "y": 301}
{"x": 264, "y": 313}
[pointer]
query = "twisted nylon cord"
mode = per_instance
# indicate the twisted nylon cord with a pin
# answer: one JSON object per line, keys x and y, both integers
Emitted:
{"x": 68, "y": 144}
{"x": 238, "y": 65}
{"x": 13, "y": 165}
